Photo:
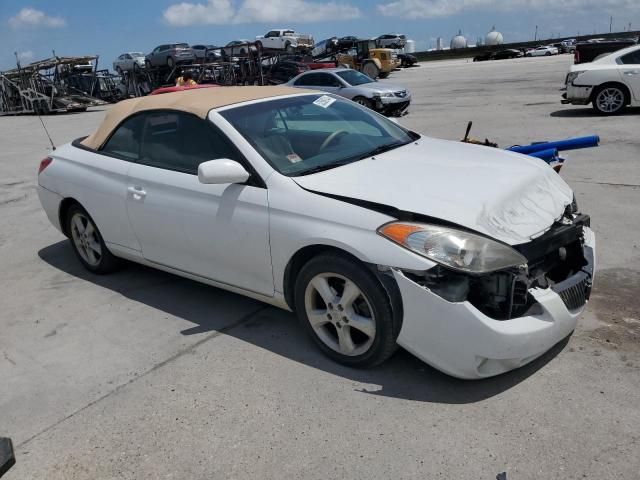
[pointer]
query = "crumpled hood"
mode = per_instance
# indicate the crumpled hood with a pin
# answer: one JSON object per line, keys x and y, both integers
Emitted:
{"x": 508, "y": 196}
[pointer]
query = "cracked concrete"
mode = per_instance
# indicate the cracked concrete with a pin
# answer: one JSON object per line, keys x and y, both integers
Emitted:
{"x": 153, "y": 376}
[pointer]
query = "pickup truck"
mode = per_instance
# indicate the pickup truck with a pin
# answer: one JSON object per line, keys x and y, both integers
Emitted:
{"x": 586, "y": 52}
{"x": 284, "y": 39}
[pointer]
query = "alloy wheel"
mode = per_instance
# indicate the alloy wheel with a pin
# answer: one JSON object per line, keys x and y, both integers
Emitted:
{"x": 340, "y": 314}
{"x": 83, "y": 233}
{"x": 610, "y": 100}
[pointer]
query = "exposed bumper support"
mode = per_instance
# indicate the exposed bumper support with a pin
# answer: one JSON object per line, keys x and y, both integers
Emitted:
{"x": 463, "y": 342}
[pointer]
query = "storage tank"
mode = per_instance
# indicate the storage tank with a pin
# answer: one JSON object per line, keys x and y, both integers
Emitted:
{"x": 459, "y": 41}
{"x": 410, "y": 46}
{"x": 494, "y": 38}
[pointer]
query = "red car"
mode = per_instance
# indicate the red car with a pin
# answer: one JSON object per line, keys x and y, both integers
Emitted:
{"x": 180, "y": 88}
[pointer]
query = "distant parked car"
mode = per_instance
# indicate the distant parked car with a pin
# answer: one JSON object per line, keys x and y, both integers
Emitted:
{"x": 239, "y": 47}
{"x": 391, "y": 40}
{"x": 610, "y": 83}
{"x": 345, "y": 43}
{"x": 380, "y": 96}
{"x": 285, "y": 70}
{"x": 207, "y": 53}
{"x": 508, "y": 53}
{"x": 543, "y": 51}
{"x": 325, "y": 47}
{"x": 284, "y": 39}
{"x": 170, "y": 55}
{"x": 407, "y": 60}
{"x": 483, "y": 57}
{"x": 128, "y": 61}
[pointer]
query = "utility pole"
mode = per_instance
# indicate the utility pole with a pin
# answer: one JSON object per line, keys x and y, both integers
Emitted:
{"x": 535, "y": 37}
{"x": 611, "y": 24}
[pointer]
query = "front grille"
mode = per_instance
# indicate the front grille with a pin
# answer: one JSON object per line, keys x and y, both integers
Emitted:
{"x": 401, "y": 94}
{"x": 576, "y": 295}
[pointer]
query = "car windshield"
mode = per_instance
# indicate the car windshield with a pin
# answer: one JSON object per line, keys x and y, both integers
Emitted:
{"x": 307, "y": 134}
{"x": 353, "y": 77}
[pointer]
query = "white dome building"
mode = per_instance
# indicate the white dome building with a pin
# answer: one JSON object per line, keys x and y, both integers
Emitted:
{"x": 459, "y": 41}
{"x": 493, "y": 38}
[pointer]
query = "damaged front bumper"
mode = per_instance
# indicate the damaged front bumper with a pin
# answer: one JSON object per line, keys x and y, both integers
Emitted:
{"x": 465, "y": 342}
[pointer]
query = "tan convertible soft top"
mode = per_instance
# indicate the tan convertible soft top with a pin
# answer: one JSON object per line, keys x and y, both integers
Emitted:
{"x": 198, "y": 101}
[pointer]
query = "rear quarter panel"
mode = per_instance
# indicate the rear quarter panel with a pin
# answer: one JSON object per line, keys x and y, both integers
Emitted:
{"x": 99, "y": 184}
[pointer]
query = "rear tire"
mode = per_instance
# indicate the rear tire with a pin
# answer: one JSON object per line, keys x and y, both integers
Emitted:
{"x": 171, "y": 62}
{"x": 345, "y": 309}
{"x": 87, "y": 242}
{"x": 610, "y": 100}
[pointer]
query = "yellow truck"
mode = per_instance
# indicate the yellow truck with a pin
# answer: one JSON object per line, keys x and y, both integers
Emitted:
{"x": 370, "y": 60}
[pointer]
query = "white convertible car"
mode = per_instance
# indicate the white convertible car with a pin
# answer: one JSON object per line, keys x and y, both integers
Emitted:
{"x": 474, "y": 259}
{"x": 610, "y": 83}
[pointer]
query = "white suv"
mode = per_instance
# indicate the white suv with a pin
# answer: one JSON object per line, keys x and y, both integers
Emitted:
{"x": 610, "y": 83}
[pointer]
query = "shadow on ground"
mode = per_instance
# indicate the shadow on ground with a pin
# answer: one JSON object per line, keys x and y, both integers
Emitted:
{"x": 403, "y": 376}
{"x": 588, "y": 112}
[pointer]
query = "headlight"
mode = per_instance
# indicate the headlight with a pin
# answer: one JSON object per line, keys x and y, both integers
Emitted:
{"x": 386, "y": 95}
{"x": 573, "y": 75}
{"x": 456, "y": 249}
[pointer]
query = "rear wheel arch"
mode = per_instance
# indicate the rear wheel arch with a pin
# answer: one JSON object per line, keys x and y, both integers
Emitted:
{"x": 622, "y": 86}
{"x": 305, "y": 254}
{"x": 63, "y": 211}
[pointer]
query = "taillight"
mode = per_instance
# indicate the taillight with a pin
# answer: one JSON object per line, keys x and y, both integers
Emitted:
{"x": 44, "y": 163}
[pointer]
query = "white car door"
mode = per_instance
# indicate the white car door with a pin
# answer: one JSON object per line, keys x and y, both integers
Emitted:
{"x": 104, "y": 186}
{"x": 219, "y": 232}
{"x": 630, "y": 71}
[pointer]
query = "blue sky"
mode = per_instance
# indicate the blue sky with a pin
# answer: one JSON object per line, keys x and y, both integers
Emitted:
{"x": 108, "y": 28}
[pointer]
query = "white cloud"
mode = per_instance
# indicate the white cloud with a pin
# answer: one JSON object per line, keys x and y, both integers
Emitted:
{"x": 25, "y": 56}
{"x": 217, "y": 12}
{"x": 444, "y": 8}
{"x": 30, "y": 17}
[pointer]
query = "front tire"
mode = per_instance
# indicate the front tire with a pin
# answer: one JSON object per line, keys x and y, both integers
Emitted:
{"x": 87, "y": 242}
{"x": 346, "y": 311}
{"x": 610, "y": 100}
{"x": 371, "y": 70}
{"x": 365, "y": 102}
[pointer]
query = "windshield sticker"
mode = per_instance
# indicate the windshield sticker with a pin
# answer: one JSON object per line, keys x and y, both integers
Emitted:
{"x": 293, "y": 158}
{"x": 324, "y": 101}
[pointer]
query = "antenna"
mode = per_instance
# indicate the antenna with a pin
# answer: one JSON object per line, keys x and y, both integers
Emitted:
{"x": 53, "y": 147}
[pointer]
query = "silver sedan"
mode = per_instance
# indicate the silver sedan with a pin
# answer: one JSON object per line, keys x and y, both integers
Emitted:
{"x": 380, "y": 96}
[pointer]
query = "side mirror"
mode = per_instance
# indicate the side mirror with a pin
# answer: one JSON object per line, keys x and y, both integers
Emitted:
{"x": 222, "y": 171}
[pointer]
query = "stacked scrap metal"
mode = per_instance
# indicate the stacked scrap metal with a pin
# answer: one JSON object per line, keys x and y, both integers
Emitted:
{"x": 56, "y": 84}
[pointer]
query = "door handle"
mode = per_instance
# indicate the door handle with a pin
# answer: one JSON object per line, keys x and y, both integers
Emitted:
{"x": 632, "y": 72}
{"x": 137, "y": 192}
